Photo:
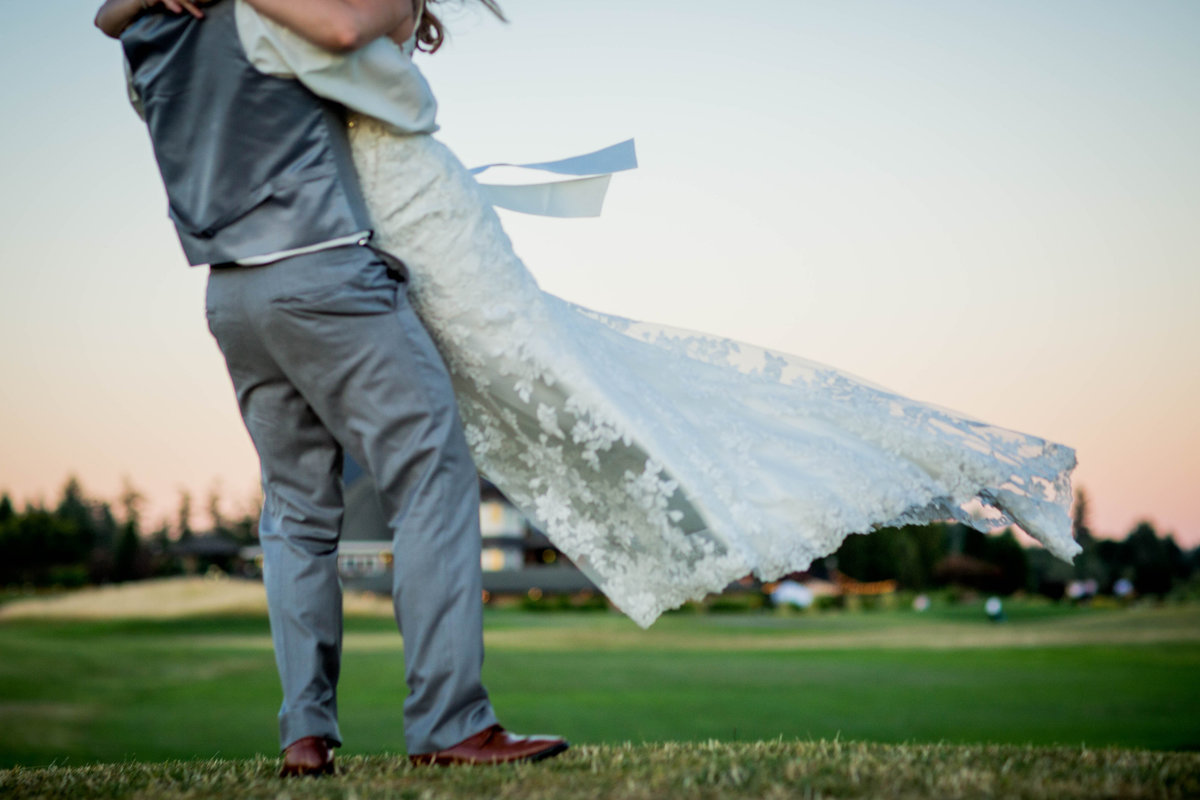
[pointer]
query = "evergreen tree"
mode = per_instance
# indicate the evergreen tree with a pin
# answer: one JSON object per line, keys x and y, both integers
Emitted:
{"x": 906, "y": 554}
{"x": 906, "y": 559}
{"x": 106, "y": 526}
{"x": 183, "y": 519}
{"x": 100, "y": 566}
{"x": 215, "y": 517}
{"x": 131, "y": 506}
{"x": 867, "y": 558}
{"x": 1177, "y": 559}
{"x": 35, "y": 546}
{"x": 1047, "y": 575}
{"x": 1005, "y": 552}
{"x": 1150, "y": 558}
{"x": 1088, "y": 564}
{"x": 75, "y": 509}
{"x": 933, "y": 542}
{"x": 128, "y": 557}
{"x": 129, "y": 561}
{"x": 974, "y": 542}
{"x": 160, "y": 544}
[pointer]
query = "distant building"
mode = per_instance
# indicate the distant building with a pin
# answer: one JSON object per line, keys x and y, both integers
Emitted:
{"x": 505, "y": 531}
{"x": 206, "y": 549}
{"x": 516, "y": 558}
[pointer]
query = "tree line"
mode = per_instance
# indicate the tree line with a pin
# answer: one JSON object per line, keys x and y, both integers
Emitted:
{"x": 83, "y": 540}
{"x": 934, "y": 556}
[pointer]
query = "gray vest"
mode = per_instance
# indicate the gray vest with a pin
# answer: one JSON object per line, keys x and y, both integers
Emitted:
{"x": 253, "y": 164}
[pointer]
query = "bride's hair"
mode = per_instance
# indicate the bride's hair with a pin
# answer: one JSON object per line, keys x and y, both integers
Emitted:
{"x": 431, "y": 34}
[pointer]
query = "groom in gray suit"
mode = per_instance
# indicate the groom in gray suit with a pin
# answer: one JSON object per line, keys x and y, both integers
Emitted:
{"x": 327, "y": 358}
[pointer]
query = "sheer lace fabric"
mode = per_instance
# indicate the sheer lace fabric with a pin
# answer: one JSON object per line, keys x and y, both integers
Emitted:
{"x": 667, "y": 463}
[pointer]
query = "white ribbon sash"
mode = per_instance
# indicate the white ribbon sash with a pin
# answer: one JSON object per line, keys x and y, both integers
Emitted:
{"x": 581, "y": 197}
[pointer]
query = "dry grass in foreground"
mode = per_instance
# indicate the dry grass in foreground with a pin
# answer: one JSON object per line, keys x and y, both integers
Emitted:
{"x": 169, "y": 598}
{"x": 822, "y": 769}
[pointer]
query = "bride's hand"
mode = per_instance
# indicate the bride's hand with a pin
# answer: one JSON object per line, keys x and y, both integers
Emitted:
{"x": 115, "y": 15}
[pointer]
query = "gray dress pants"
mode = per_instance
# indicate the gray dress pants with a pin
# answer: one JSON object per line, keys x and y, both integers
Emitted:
{"x": 327, "y": 357}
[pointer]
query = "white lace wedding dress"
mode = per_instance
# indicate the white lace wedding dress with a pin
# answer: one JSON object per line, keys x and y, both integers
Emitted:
{"x": 667, "y": 463}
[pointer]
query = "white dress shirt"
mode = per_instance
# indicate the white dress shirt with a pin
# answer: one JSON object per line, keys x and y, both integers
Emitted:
{"x": 379, "y": 79}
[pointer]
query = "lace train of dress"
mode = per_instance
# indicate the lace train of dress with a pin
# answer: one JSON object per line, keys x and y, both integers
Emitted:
{"x": 667, "y": 463}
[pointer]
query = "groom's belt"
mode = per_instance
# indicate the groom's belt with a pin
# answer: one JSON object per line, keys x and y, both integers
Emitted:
{"x": 396, "y": 269}
{"x": 360, "y": 238}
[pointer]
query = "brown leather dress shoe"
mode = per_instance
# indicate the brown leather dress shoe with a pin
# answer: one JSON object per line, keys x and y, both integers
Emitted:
{"x": 311, "y": 755}
{"x": 494, "y": 745}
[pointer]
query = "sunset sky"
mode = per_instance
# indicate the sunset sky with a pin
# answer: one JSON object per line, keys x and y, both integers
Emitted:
{"x": 992, "y": 206}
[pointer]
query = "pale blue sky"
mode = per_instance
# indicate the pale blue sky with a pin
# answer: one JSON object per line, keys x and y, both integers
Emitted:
{"x": 988, "y": 205}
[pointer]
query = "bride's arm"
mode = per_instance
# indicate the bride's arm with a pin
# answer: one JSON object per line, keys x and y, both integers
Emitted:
{"x": 338, "y": 25}
{"x": 115, "y": 15}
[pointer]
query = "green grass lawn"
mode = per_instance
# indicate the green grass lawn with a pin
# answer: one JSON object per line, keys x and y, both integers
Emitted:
{"x": 73, "y": 693}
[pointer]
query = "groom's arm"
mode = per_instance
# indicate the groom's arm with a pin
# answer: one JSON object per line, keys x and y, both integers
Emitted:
{"x": 338, "y": 25}
{"x": 378, "y": 79}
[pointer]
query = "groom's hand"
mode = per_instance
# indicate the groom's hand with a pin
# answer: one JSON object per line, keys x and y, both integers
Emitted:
{"x": 176, "y": 6}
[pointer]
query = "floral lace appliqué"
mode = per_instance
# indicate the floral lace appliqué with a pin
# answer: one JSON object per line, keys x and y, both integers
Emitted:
{"x": 666, "y": 463}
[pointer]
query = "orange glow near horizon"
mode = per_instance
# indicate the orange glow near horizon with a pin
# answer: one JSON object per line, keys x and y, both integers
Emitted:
{"x": 976, "y": 205}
